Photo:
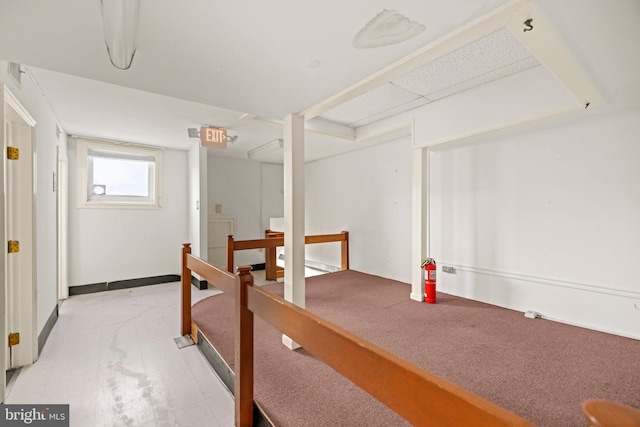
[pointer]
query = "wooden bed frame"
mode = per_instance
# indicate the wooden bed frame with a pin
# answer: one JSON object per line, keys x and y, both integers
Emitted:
{"x": 400, "y": 385}
{"x": 275, "y": 239}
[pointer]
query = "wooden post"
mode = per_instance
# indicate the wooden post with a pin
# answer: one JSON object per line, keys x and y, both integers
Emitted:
{"x": 230, "y": 250}
{"x": 270, "y": 258}
{"x": 186, "y": 291}
{"x": 243, "y": 382}
{"x": 345, "y": 250}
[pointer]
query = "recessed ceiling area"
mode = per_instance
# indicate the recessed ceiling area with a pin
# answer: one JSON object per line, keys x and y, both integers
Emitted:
{"x": 504, "y": 69}
{"x": 205, "y": 64}
{"x": 489, "y": 58}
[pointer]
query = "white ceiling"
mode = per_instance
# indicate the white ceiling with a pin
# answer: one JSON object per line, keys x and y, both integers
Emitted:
{"x": 208, "y": 63}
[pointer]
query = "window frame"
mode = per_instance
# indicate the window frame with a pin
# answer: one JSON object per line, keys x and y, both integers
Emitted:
{"x": 113, "y": 149}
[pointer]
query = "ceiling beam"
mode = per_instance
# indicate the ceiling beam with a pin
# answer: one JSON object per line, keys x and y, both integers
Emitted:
{"x": 318, "y": 126}
{"x": 467, "y": 33}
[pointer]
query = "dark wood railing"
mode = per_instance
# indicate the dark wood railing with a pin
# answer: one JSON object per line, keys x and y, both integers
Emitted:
{"x": 400, "y": 385}
{"x": 274, "y": 239}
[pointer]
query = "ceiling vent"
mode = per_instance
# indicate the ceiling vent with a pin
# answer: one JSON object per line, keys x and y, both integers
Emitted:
{"x": 504, "y": 68}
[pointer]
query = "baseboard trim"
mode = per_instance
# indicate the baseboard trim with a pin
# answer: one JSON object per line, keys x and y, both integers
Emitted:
{"x": 200, "y": 284}
{"x": 216, "y": 361}
{"x": 87, "y": 289}
{"x": 122, "y": 284}
{"x": 258, "y": 267}
{"x": 590, "y": 287}
{"x": 607, "y": 310}
{"x": 227, "y": 377}
{"x": 46, "y": 330}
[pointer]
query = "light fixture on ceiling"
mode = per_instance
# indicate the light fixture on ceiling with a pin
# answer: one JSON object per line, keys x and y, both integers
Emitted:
{"x": 195, "y": 133}
{"x": 266, "y": 148}
{"x": 388, "y": 27}
{"x": 120, "y": 23}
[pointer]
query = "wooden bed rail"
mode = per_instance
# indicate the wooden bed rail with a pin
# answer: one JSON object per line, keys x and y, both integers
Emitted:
{"x": 415, "y": 394}
{"x": 274, "y": 239}
{"x": 223, "y": 280}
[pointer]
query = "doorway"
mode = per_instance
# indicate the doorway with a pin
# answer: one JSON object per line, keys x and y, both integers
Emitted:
{"x": 219, "y": 228}
{"x": 18, "y": 292}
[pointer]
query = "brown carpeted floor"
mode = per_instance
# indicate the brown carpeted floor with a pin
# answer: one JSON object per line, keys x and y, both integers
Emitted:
{"x": 539, "y": 369}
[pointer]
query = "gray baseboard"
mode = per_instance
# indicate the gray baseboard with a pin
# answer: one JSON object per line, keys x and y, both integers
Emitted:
{"x": 200, "y": 284}
{"x": 46, "y": 330}
{"x": 227, "y": 377}
{"x": 122, "y": 284}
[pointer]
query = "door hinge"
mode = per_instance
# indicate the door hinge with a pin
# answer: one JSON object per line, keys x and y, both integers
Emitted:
{"x": 13, "y": 153}
{"x": 14, "y": 246}
{"x": 14, "y": 339}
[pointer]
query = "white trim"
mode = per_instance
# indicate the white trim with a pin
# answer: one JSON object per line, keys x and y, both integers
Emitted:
{"x": 318, "y": 126}
{"x": 289, "y": 343}
{"x": 118, "y": 143}
{"x": 18, "y": 108}
{"x": 82, "y": 148}
{"x": 545, "y": 44}
{"x": 322, "y": 127}
{"x": 545, "y": 280}
{"x": 62, "y": 226}
{"x": 549, "y": 114}
{"x": 13, "y": 111}
{"x": 386, "y": 131}
{"x": 3, "y": 267}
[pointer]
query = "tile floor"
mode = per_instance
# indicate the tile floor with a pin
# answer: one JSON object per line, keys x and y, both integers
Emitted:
{"x": 111, "y": 356}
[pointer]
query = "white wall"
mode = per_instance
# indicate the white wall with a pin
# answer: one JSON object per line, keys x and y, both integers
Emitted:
{"x": 367, "y": 193}
{"x": 120, "y": 244}
{"x": 545, "y": 221}
{"x": 252, "y": 192}
{"x": 197, "y": 198}
{"x": 46, "y": 142}
{"x": 272, "y": 187}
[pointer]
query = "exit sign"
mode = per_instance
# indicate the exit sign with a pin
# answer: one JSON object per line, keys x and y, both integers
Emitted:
{"x": 213, "y": 137}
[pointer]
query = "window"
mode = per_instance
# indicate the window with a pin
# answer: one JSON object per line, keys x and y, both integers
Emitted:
{"x": 114, "y": 175}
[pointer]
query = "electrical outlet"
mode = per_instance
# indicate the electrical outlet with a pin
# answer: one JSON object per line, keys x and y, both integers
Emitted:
{"x": 532, "y": 314}
{"x": 448, "y": 269}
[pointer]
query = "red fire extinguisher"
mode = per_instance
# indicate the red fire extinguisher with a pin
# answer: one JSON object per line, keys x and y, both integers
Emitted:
{"x": 429, "y": 266}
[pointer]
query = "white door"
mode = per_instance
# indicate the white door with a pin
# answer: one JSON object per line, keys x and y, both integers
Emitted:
{"x": 219, "y": 228}
{"x": 18, "y": 235}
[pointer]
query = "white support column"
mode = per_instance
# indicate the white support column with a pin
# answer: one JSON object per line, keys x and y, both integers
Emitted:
{"x": 419, "y": 220}
{"x": 294, "y": 231}
{"x": 203, "y": 205}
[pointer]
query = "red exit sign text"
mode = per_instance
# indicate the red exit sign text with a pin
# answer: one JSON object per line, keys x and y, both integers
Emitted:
{"x": 213, "y": 137}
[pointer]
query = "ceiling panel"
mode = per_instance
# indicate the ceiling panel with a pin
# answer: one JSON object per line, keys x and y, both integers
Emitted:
{"x": 487, "y": 77}
{"x": 415, "y": 103}
{"x": 371, "y": 103}
{"x": 494, "y": 56}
